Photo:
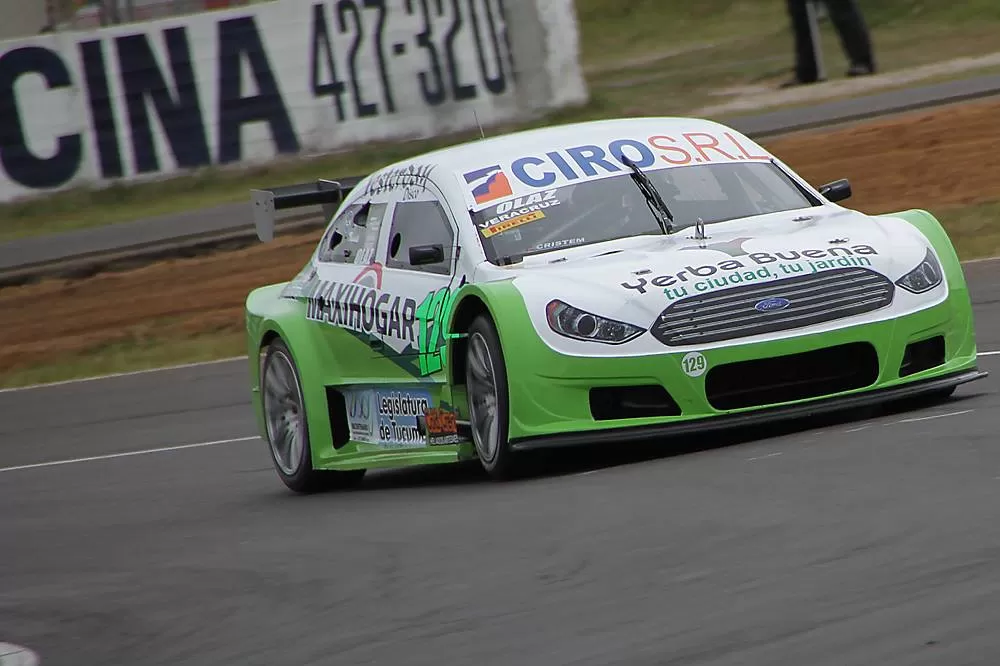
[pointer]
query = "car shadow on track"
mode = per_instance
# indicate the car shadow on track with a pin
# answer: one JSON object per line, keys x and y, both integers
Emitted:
{"x": 568, "y": 461}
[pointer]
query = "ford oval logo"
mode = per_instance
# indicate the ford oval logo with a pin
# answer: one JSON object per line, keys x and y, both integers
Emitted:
{"x": 771, "y": 304}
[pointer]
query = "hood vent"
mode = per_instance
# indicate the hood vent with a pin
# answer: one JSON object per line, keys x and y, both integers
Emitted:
{"x": 773, "y": 306}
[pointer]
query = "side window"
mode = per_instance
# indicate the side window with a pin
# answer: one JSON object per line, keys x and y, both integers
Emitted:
{"x": 353, "y": 236}
{"x": 420, "y": 224}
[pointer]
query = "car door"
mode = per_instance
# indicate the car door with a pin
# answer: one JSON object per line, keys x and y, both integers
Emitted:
{"x": 420, "y": 265}
{"x": 387, "y": 266}
{"x": 341, "y": 302}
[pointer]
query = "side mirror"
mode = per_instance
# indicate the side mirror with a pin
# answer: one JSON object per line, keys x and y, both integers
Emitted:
{"x": 426, "y": 254}
{"x": 838, "y": 190}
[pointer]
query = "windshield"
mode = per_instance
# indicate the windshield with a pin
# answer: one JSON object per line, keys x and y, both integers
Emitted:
{"x": 600, "y": 210}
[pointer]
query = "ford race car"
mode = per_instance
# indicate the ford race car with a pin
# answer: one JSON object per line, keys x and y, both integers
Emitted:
{"x": 603, "y": 281}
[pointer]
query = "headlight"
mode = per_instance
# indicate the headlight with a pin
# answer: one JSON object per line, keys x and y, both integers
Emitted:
{"x": 924, "y": 277}
{"x": 579, "y": 325}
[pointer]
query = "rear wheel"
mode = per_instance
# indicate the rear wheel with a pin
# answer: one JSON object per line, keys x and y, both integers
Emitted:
{"x": 287, "y": 426}
{"x": 489, "y": 405}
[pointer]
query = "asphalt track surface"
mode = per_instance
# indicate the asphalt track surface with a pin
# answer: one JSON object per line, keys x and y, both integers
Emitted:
{"x": 869, "y": 538}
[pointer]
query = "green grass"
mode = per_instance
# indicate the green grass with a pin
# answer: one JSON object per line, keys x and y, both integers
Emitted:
{"x": 128, "y": 357}
{"x": 625, "y": 29}
{"x": 639, "y": 59}
{"x": 973, "y": 230}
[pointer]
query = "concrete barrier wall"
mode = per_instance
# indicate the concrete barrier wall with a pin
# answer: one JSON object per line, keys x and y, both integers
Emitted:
{"x": 247, "y": 85}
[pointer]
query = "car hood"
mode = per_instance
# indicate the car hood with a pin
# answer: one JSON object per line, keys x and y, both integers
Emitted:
{"x": 634, "y": 279}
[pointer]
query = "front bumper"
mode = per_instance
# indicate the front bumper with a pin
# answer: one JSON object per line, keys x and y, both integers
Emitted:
{"x": 755, "y": 417}
{"x": 550, "y": 392}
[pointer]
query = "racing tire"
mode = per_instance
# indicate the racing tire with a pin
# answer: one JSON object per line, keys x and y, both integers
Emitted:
{"x": 286, "y": 426}
{"x": 489, "y": 403}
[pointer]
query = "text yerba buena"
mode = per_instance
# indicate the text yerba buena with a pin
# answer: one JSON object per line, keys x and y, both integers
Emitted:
{"x": 788, "y": 263}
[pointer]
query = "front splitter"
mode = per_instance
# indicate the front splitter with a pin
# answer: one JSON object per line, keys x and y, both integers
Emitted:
{"x": 746, "y": 419}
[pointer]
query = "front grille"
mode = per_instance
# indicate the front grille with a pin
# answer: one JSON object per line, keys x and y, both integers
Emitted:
{"x": 812, "y": 374}
{"x": 812, "y": 299}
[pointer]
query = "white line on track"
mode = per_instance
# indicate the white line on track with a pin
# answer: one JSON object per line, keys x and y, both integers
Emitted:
{"x": 989, "y": 353}
{"x": 126, "y": 454}
{"x": 935, "y": 416}
{"x": 769, "y": 455}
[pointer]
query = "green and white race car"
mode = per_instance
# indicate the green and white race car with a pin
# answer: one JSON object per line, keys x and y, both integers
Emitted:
{"x": 603, "y": 281}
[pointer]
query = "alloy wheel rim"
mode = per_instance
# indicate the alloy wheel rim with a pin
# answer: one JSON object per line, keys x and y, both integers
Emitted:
{"x": 283, "y": 413}
{"x": 481, "y": 385}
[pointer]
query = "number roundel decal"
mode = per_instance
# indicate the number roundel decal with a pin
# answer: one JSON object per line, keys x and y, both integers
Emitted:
{"x": 694, "y": 364}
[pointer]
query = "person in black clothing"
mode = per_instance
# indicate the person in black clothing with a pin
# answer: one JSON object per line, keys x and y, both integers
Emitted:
{"x": 854, "y": 37}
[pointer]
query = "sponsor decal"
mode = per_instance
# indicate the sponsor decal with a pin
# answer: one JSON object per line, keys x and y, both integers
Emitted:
{"x": 398, "y": 410}
{"x": 160, "y": 97}
{"x": 361, "y": 308}
{"x": 514, "y": 208}
{"x": 488, "y": 184}
{"x": 771, "y": 304}
{"x": 592, "y": 161}
{"x": 694, "y": 364}
{"x": 758, "y": 266}
{"x": 434, "y": 313}
{"x": 442, "y": 427}
{"x": 512, "y": 223}
{"x": 416, "y": 333}
{"x": 370, "y": 276}
{"x": 410, "y": 193}
{"x": 399, "y": 417}
{"x": 361, "y": 414}
{"x": 556, "y": 244}
{"x": 408, "y": 177}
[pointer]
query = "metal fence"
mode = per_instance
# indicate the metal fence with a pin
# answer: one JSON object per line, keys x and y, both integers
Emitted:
{"x": 84, "y": 14}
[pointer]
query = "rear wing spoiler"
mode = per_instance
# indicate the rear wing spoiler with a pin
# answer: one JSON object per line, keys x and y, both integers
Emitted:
{"x": 326, "y": 193}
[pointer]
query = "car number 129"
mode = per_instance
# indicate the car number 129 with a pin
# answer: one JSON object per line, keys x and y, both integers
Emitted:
{"x": 694, "y": 364}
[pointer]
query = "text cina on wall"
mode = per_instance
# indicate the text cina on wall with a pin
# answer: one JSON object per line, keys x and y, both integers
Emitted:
{"x": 288, "y": 77}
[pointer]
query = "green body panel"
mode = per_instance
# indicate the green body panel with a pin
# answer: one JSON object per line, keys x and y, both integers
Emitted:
{"x": 328, "y": 356}
{"x": 549, "y": 392}
{"x": 929, "y": 226}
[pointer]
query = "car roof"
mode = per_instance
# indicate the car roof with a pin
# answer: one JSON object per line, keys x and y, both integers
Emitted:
{"x": 475, "y": 153}
{"x": 483, "y": 172}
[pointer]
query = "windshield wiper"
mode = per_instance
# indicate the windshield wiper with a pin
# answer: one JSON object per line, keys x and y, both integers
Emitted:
{"x": 653, "y": 199}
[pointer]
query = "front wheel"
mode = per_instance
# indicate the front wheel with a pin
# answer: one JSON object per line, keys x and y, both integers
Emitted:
{"x": 489, "y": 405}
{"x": 288, "y": 427}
